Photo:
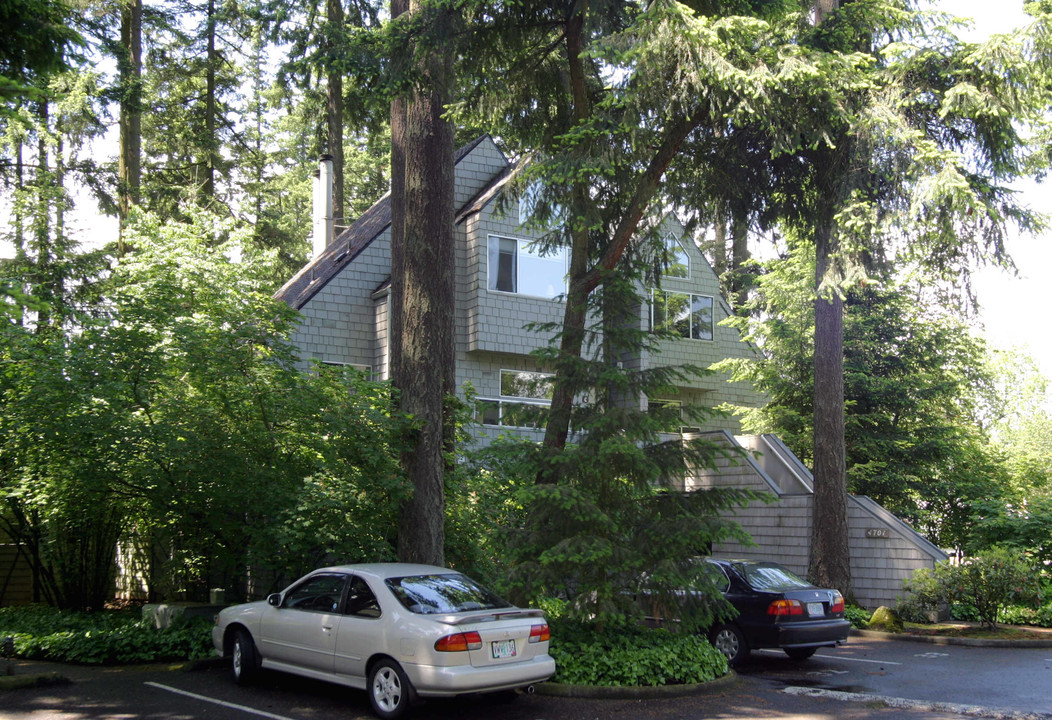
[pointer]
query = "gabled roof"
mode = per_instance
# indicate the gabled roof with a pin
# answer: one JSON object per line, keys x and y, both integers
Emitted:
{"x": 317, "y": 273}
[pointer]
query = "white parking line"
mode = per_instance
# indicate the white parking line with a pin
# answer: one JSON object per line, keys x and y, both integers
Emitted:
{"x": 233, "y": 706}
{"x": 920, "y": 705}
{"x": 841, "y": 657}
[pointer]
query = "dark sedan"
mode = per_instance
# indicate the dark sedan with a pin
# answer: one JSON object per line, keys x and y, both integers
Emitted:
{"x": 776, "y": 609}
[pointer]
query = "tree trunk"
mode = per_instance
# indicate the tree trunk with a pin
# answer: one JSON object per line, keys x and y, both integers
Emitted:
{"x": 739, "y": 256}
{"x": 129, "y": 164}
{"x": 334, "y": 12}
{"x": 830, "y": 561}
{"x": 426, "y": 370}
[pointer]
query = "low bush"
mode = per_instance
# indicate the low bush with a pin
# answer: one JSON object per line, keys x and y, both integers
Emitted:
{"x": 858, "y": 616}
{"x": 1019, "y": 615}
{"x": 977, "y": 589}
{"x": 101, "y": 638}
{"x": 629, "y": 655}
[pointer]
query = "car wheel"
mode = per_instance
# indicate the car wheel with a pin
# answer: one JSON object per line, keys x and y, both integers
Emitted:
{"x": 390, "y": 693}
{"x": 730, "y": 641}
{"x": 799, "y": 653}
{"x": 245, "y": 658}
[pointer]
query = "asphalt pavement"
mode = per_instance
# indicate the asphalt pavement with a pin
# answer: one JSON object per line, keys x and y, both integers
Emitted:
{"x": 870, "y": 677}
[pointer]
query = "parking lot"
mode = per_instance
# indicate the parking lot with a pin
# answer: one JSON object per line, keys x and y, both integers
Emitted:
{"x": 868, "y": 678}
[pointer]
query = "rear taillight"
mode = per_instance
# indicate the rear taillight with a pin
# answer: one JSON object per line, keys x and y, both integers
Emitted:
{"x": 838, "y": 602}
{"x": 540, "y": 633}
{"x": 460, "y": 642}
{"x": 785, "y": 606}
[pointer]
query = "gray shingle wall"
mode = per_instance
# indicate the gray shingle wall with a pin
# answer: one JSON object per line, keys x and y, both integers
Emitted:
{"x": 339, "y": 323}
{"x": 883, "y": 551}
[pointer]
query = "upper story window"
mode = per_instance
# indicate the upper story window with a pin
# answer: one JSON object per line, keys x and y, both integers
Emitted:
{"x": 517, "y": 267}
{"x": 683, "y": 314}
{"x": 677, "y": 262}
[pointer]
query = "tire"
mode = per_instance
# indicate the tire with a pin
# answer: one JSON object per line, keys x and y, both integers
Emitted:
{"x": 799, "y": 653}
{"x": 730, "y": 642}
{"x": 246, "y": 659}
{"x": 390, "y": 693}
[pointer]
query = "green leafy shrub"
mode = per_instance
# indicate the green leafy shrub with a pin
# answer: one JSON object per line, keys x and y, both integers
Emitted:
{"x": 630, "y": 655}
{"x": 858, "y": 617}
{"x": 1021, "y": 615}
{"x": 978, "y": 588}
{"x": 102, "y": 638}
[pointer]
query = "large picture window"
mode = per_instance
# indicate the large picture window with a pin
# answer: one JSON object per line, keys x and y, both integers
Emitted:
{"x": 683, "y": 314}
{"x": 517, "y": 267}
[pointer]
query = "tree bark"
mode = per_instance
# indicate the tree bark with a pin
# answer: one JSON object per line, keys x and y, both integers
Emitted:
{"x": 426, "y": 368}
{"x": 129, "y": 164}
{"x": 829, "y": 562}
{"x": 739, "y": 256}
{"x": 334, "y": 83}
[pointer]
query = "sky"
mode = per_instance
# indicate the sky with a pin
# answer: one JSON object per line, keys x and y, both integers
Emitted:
{"x": 1013, "y": 309}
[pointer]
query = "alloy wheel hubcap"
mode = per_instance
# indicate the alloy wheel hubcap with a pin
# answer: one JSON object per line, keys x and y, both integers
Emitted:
{"x": 386, "y": 689}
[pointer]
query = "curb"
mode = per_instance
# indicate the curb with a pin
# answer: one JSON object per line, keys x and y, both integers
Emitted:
{"x": 21, "y": 682}
{"x": 946, "y": 640}
{"x": 637, "y": 692}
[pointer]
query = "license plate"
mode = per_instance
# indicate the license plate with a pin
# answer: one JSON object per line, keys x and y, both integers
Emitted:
{"x": 503, "y": 649}
{"x": 815, "y": 610}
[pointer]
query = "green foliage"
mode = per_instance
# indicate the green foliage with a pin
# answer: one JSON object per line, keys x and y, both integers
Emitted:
{"x": 987, "y": 583}
{"x": 174, "y": 411}
{"x": 631, "y": 655}
{"x": 1023, "y": 615}
{"x": 915, "y": 390}
{"x": 1026, "y": 526}
{"x": 858, "y": 616}
{"x": 620, "y": 519}
{"x": 102, "y": 638}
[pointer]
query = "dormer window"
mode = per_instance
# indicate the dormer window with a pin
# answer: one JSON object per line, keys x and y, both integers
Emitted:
{"x": 517, "y": 266}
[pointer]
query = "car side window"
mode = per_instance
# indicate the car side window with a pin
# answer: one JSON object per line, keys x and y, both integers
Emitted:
{"x": 718, "y": 577}
{"x": 321, "y": 593}
{"x": 361, "y": 602}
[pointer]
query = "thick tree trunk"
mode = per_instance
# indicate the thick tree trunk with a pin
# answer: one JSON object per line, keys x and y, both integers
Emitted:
{"x": 426, "y": 368}
{"x": 334, "y": 12}
{"x": 394, "y": 314}
{"x": 129, "y": 164}
{"x": 829, "y": 563}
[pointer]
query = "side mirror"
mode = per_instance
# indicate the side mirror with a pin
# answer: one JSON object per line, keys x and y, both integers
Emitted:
{"x": 274, "y": 599}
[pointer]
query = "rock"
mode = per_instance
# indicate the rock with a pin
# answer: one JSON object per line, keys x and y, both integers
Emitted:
{"x": 886, "y": 619}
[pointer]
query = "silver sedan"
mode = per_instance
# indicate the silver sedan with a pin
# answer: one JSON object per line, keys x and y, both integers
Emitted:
{"x": 398, "y": 631}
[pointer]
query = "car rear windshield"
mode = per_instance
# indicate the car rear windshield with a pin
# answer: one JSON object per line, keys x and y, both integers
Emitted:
{"x": 440, "y": 594}
{"x": 770, "y": 577}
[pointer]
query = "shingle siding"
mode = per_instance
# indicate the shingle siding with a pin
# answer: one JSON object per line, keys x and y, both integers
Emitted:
{"x": 345, "y": 320}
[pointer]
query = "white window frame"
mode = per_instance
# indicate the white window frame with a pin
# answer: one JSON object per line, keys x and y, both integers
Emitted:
{"x": 522, "y": 247}
{"x": 502, "y": 401}
{"x": 691, "y": 296}
{"x": 675, "y": 252}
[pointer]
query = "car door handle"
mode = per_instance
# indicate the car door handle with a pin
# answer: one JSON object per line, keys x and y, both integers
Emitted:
{"x": 326, "y": 628}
